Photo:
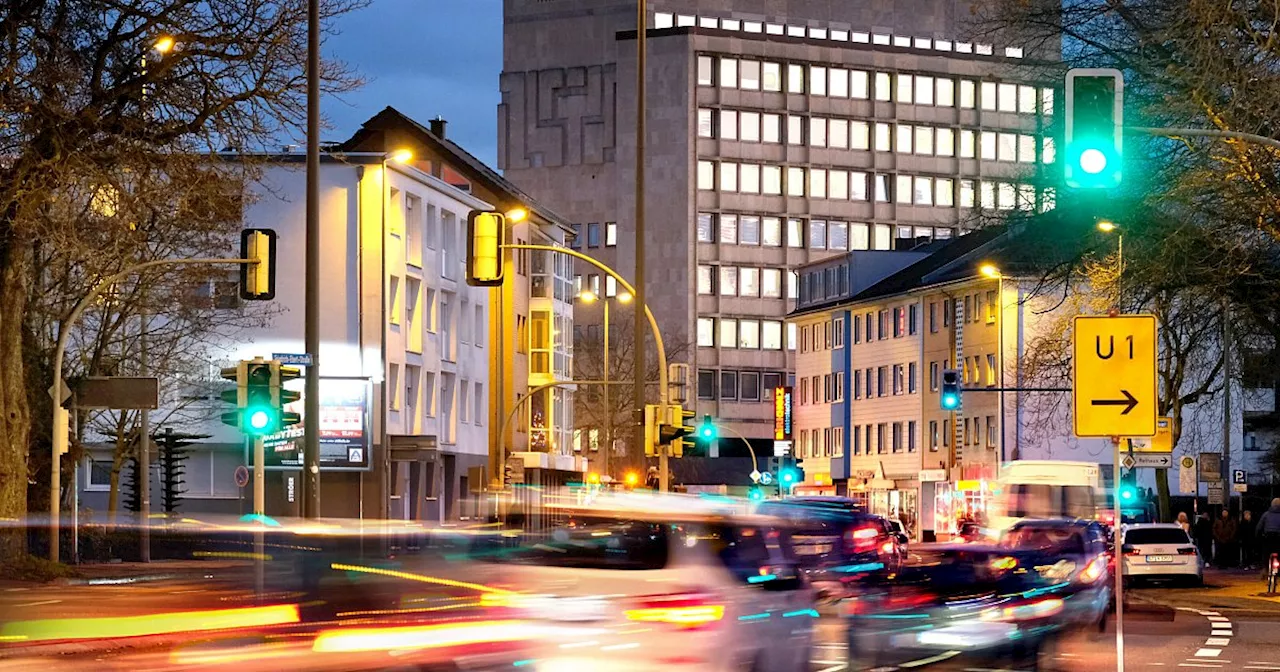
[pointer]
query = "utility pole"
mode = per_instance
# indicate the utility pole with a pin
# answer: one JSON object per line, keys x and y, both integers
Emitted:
{"x": 638, "y": 374}
{"x": 311, "y": 398}
{"x": 1226, "y": 397}
{"x": 144, "y": 451}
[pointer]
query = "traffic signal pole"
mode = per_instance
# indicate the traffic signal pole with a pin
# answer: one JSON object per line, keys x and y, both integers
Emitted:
{"x": 311, "y": 400}
{"x": 638, "y": 374}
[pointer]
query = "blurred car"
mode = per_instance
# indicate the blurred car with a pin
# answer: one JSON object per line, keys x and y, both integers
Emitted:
{"x": 1003, "y": 602}
{"x": 636, "y": 593}
{"x": 900, "y": 534}
{"x": 837, "y": 542}
{"x": 1160, "y": 551}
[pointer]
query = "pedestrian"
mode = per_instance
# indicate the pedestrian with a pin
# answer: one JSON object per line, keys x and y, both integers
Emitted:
{"x": 1244, "y": 539}
{"x": 1224, "y": 539}
{"x": 1186, "y": 524}
{"x": 1267, "y": 537}
{"x": 1202, "y": 532}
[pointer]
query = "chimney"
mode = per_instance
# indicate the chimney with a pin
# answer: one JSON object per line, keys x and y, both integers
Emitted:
{"x": 437, "y": 127}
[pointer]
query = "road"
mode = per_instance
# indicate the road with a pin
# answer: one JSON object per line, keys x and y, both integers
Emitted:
{"x": 1155, "y": 639}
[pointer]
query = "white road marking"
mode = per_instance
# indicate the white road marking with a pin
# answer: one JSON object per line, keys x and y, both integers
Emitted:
{"x": 931, "y": 660}
{"x": 1210, "y": 613}
{"x": 835, "y": 668}
{"x": 827, "y": 662}
{"x": 1217, "y": 641}
{"x": 1208, "y": 653}
{"x": 1197, "y": 665}
{"x": 1221, "y": 633}
{"x": 1262, "y": 667}
{"x": 38, "y": 604}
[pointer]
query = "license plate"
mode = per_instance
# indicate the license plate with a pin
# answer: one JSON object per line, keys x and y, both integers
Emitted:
{"x": 1159, "y": 558}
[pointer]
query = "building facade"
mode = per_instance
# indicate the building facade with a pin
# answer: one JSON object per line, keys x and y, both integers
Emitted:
{"x": 775, "y": 140}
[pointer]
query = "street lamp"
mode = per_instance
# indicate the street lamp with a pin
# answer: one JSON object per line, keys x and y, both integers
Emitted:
{"x": 1108, "y": 226}
{"x": 589, "y": 297}
{"x": 163, "y": 44}
{"x": 992, "y": 272}
{"x": 517, "y": 215}
{"x": 402, "y": 156}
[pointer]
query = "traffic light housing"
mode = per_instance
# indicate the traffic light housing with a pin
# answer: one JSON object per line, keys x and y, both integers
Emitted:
{"x": 281, "y": 397}
{"x": 755, "y": 493}
{"x": 652, "y": 428}
{"x": 949, "y": 399}
{"x": 258, "y": 277}
{"x": 486, "y": 231}
{"x": 1128, "y": 489}
{"x": 260, "y": 397}
{"x": 706, "y": 430}
{"x": 676, "y": 431}
{"x": 789, "y": 475}
{"x": 1094, "y": 128}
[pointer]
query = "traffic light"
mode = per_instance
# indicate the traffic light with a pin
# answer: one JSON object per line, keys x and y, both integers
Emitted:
{"x": 707, "y": 430}
{"x": 1128, "y": 488}
{"x": 486, "y": 231}
{"x": 260, "y": 397}
{"x": 789, "y": 475}
{"x": 258, "y": 278}
{"x": 280, "y": 397}
{"x": 260, "y": 411}
{"x": 652, "y": 429}
{"x": 632, "y": 479}
{"x": 678, "y": 431}
{"x": 1094, "y": 128}
{"x": 950, "y": 397}
{"x": 755, "y": 493}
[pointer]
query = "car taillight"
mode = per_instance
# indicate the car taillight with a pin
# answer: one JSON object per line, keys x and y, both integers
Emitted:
{"x": 887, "y": 547}
{"x": 1187, "y": 551}
{"x": 1024, "y": 612}
{"x": 1093, "y": 571}
{"x": 861, "y": 538}
{"x": 1130, "y": 550}
{"x": 685, "y": 610}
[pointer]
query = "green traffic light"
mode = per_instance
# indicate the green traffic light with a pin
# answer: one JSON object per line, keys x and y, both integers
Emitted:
{"x": 259, "y": 419}
{"x": 788, "y": 476}
{"x": 1093, "y": 161}
{"x": 950, "y": 401}
{"x": 707, "y": 431}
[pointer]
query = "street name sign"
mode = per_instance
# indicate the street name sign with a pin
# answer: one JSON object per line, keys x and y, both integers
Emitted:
{"x": 292, "y": 358}
{"x": 1115, "y": 391}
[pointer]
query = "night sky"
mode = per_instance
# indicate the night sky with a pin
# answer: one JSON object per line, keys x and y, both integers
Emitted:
{"x": 425, "y": 58}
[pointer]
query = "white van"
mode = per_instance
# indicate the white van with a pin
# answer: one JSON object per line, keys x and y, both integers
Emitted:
{"x": 1045, "y": 489}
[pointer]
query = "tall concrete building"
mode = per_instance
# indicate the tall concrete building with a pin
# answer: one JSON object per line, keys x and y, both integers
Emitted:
{"x": 779, "y": 134}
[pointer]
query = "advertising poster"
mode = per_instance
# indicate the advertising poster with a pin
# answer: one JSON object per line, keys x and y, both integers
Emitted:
{"x": 344, "y": 428}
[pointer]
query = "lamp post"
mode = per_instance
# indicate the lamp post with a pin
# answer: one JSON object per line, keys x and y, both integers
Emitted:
{"x": 991, "y": 271}
{"x": 589, "y": 297}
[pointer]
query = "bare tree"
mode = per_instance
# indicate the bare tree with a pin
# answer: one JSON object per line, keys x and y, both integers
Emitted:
{"x": 106, "y": 140}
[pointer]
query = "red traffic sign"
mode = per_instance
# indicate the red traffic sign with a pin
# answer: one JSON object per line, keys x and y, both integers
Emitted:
{"x": 242, "y": 476}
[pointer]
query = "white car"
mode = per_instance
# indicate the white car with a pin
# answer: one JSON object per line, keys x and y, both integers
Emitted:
{"x": 1160, "y": 551}
{"x": 628, "y": 593}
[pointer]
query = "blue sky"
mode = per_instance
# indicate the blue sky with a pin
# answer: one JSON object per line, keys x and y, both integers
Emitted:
{"x": 425, "y": 58}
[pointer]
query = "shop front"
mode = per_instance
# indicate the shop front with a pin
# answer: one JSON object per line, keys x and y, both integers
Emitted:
{"x": 959, "y": 501}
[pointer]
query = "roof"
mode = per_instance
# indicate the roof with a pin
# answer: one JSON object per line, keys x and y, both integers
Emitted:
{"x": 954, "y": 259}
{"x": 466, "y": 163}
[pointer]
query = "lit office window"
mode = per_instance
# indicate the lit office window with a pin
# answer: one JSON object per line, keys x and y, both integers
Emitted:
{"x": 860, "y": 85}
{"x": 904, "y": 139}
{"x": 817, "y": 80}
{"x": 946, "y": 92}
{"x": 728, "y": 125}
{"x": 728, "y": 176}
{"x": 749, "y": 126}
{"x": 884, "y": 88}
{"x": 771, "y": 180}
{"x": 857, "y": 186}
{"x": 859, "y": 135}
{"x": 750, "y": 76}
{"x": 989, "y": 95}
{"x": 1008, "y": 98}
{"x": 771, "y": 128}
{"x": 728, "y": 73}
{"x": 795, "y": 78}
{"x": 905, "y": 88}
{"x": 795, "y": 181}
{"x": 946, "y": 140}
{"x": 817, "y": 183}
{"x": 945, "y": 195}
{"x": 924, "y": 90}
{"x": 924, "y": 140}
{"x": 771, "y": 76}
{"x": 706, "y": 176}
{"x": 704, "y": 124}
{"x": 904, "y": 189}
{"x": 967, "y": 95}
{"x": 839, "y": 87}
{"x": 1027, "y": 99}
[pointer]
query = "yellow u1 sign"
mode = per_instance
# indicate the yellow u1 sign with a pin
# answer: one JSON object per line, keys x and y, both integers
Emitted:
{"x": 1116, "y": 391}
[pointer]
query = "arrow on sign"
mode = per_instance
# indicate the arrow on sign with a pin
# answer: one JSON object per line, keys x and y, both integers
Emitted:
{"x": 1129, "y": 402}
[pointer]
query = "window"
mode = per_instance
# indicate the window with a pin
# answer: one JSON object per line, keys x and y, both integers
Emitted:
{"x": 1046, "y": 150}
{"x": 946, "y": 433}
{"x": 729, "y": 229}
{"x": 904, "y": 139}
{"x": 772, "y": 232}
{"x": 882, "y": 193}
{"x": 706, "y": 332}
{"x": 749, "y": 282}
{"x": 856, "y": 435}
{"x": 912, "y": 374}
{"x": 837, "y": 441}
{"x": 728, "y": 73}
{"x": 771, "y": 180}
{"x": 924, "y": 140}
{"x": 1027, "y": 149}
{"x": 749, "y": 126}
{"x": 946, "y": 142}
{"x": 869, "y": 390}
{"x": 728, "y": 281}
{"x": 1027, "y": 99}
{"x": 1008, "y": 98}
{"x": 911, "y": 436}
{"x": 770, "y": 381}
{"x": 897, "y": 437}
{"x": 837, "y": 391}
{"x": 945, "y": 192}
{"x": 946, "y": 93}
{"x": 749, "y": 334}
{"x": 839, "y": 83}
{"x": 839, "y": 236}
{"x": 988, "y": 146}
{"x": 817, "y": 132}
{"x": 933, "y": 436}
{"x": 992, "y": 432}
{"x": 705, "y": 280}
{"x": 817, "y": 234}
{"x": 795, "y": 233}
{"x": 705, "y": 69}
{"x": 750, "y": 75}
{"x": 749, "y": 233}
{"x": 771, "y": 76}
{"x": 913, "y": 319}
{"x": 704, "y": 124}
{"x": 795, "y": 78}
{"x": 923, "y": 191}
{"x": 904, "y": 89}
{"x": 728, "y": 125}
{"x": 817, "y": 80}
{"x": 481, "y": 326}
{"x": 706, "y": 384}
{"x": 795, "y": 181}
{"x": 795, "y": 130}
{"x": 771, "y": 283}
{"x": 838, "y": 134}
{"x": 882, "y": 381}
{"x": 904, "y": 189}
{"x": 1008, "y": 147}
{"x": 883, "y": 138}
{"x": 967, "y": 93}
{"x": 793, "y": 288}
{"x": 728, "y": 333}
{"x": 883, "y": 90}
{"x": 728, "y": 176}
{"x": 610, "y": 234}
{"x": 705, "y": 228}
{"x": 729, "y": 385}
{"x": 992, "y": 373}
{"x": 393, "y": 386}
{"x": 859, "y": 135}
{"x": 966, "y": 194}
{"x": 771, "y": 335}
{"x": 988, "y": 95}
{"x": 749, "y": 179}
{"x": 749, "y": 386}
{"x": 966, "y": 144}
{"x": 817, "y": 183}
{"x": 899, "y": 380}
{"x": 706, "y": 175}
{"x": 464, "y": 401}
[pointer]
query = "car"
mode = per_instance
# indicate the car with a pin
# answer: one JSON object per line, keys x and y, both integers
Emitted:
{"x": 839, "y": 544}
{"x": 1075, "y": 552}
{"x": 653, "y": 590}
{"x": 1160, "y": 551}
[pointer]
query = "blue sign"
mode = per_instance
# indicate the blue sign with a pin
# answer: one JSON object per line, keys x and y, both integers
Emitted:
{"x": 292, "y": 359}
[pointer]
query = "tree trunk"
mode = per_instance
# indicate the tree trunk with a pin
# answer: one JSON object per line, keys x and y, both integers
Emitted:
{"x": 16, "y": 427}
{"x": 1162, "y": 494}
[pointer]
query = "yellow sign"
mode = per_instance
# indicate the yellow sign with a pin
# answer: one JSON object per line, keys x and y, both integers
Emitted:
{"x": 1162, "y": 442}
{"x": 1116, "y": 392}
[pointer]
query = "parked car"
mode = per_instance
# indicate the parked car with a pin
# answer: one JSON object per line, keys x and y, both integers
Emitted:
{"x": 1160, "y": 551}
{"x": 678, "y": 591}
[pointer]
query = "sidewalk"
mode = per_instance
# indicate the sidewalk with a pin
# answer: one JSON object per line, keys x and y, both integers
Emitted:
{"x": 1242, "y": 592}
{"x": 135, "y": 572}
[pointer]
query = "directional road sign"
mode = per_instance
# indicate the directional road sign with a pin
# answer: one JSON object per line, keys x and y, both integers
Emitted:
{"x": 1152, "y": 461}
{"x": 1115, "y": 392}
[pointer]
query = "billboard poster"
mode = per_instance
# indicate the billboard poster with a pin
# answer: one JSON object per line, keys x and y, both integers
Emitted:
{"x": 781, "y": 413}
{"x": 344, "y": 428}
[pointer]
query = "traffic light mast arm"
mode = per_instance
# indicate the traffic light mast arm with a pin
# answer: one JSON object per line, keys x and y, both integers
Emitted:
{"x": 1207, "y": 133}
{"x": 755, "y": 466}
{"x": 60, "y": 440}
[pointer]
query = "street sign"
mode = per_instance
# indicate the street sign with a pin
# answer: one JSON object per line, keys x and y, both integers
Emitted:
{"x": 933, "y": 475}
{"x": 242, "y": 476}
{"x": 1210, "y": 467}
{"x": 1187, "y": 474}
{"x": 62, "y": 394}
{"x": 1162, "y": 442}
{"x": 1239, "y": 476}
{"x": 781, "y": 448}
{"x": 1115, "y": 391}
{"x": 1217, "y": 493}
{"x": 766, "y": 478}
{"x": 755, "y": 475}
{"x": 118, "y": 392}
{"x": 1152, "y": 461}
{"x": 1128, "y": 462}
{"x": 292, "y": 359}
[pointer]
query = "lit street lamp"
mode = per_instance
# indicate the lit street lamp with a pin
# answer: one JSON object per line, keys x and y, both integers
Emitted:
{"x": 589, "y": 297}
{"x": 1108, "y": 226}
